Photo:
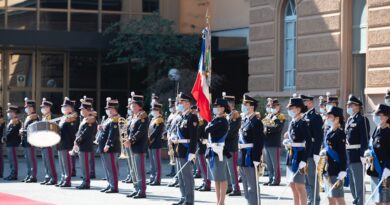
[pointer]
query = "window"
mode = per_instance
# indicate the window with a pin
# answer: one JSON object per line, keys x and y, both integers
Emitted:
{"x": 150, "y": 6}
{"x": 85, "y": 4}
{"x": 87, "y": 22}
{"x": 55, "y": 21}
{"x": 52, "y": 66}
{"x": 21, "y": 19}
{"x": 359, "y": 26}
{"x": 55, "y": 4}
{"x": 290, "y": 20}
{"x": 112, "y": 5}
{"x": 82, "y": 70}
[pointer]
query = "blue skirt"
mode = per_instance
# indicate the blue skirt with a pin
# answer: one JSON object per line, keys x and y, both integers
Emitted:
{"x": 338, "y": 191}
{"x": 218, "y": 169}
{"x": 298, "y": 178}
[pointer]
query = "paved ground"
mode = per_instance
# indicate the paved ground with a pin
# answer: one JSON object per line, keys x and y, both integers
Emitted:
{"x": 160, "y": 195}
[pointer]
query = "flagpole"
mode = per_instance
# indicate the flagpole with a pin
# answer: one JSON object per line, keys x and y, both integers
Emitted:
{"x": 209, "y": 30}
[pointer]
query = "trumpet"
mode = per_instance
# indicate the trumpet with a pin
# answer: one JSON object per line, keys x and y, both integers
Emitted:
{"x": 122, "y": 124}
{"x": 99, "y": 131}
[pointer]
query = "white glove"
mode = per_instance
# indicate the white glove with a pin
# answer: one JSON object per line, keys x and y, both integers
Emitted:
{"x": 341, "y": 175}
{"x": 302, "y": 165}
{"x": 191, "y": 156}
{"x": 386, "y": 173}
{"x": 256, "y": 163}
{"x": 363, "y": 160}
{"x": 316, "y": 159}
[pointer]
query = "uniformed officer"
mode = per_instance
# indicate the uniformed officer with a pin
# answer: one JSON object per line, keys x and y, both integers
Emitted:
{"x": 92, "y": 158}
{"x": 68, "y": 129}
{"x": 273, "y": 126}
{"x": 129, "y": 167}
{"x": 322, "y": 106}
{"x": 313, "y": 147}
{"x": 155, "y": 133}
{"x": 335, "y": 169}
{"x": 298, "y": 135}
{"x": 109, "y": 144}
{"x": 216, "y": 154}
{"x": 379, "y": 164}
{"x": 202, "y": 146}
{"x": 47, "y": 152}
{"x": 138, "y": 142}
{"x": 231, "y": 145}
{"x": 331, "y": 100}
{"x": 12, "y": 140}
{"x": 251, "y": 142}
{"x": 186, "y": 149}
{"x": 172, "y": 133}
{"x": 357, "y": 130}
{"x": 387, "y": 97}
{"x": 2, "y": 126}
{"x": 84, "y": 141}
{"x": 29, "y": 151}
{"x": 168, "y": 127}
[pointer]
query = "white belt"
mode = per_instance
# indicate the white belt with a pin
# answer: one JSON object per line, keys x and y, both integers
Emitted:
{"x": 183, "y": 141}
{"x": 212, "y": 144}
{"x": 243, "y": 146}
{"x": 353, "y": 146}
{"x": 295, "y": 144}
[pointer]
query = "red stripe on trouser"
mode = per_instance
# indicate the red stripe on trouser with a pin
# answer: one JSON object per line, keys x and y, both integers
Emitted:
{"x": 69, "y": 174}
{"x": 143, "y": 173}
{"x": 86, "y": 163}
{"x": 15, "y": 160}
{"x": 235, "y": 155}
{"x": 278, "y": 164}
{"x": 51, "y": 162}
{"x": 92, "y": 162}
{"x": 158, "y": 165}
{"x": 34, "y": 162}
{"x": 113, "y": 167}
{"x": 204, "y": 168}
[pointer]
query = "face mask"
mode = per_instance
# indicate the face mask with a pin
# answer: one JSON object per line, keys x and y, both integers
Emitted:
{"x": 180, "y": 108}
{"x": 291, "y": 113}
{"x": 9, "y": 115}
{"x": 322, "y": 110}
{"x": 274, "y": 111}
{"x": 376, "y": 119}
{"x": 215, "y": 111}
{"x": 171, "y": 110}
{"x": 329, "y": 107}
{"x": 154, "y": 113}
{"x": 43, "y": 111}
{"x": 268, "y": 109}
{"x": 26, "y": 110}
{"x": 108, "y": 113}
{"x": 63, "y": 110}
{"x": 329, "y": 122}
{"x": 349, "y": 111}
{"x": 387, "y": 102}
{"x": 244, "y": 109}
{"x": 129, "y": 112}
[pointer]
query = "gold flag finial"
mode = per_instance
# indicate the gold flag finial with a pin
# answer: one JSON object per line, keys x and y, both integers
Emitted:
{"x": 207, "y": 17}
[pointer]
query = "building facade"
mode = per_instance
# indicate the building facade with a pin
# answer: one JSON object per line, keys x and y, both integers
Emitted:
{"x": 316, "y": 46}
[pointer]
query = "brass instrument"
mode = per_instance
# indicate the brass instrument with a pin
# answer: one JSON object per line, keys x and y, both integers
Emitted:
{"x": 99, "y": 131}
{"x": 122, "y": 124}
{"x": 321, "y": 167}
{"x": 171, "y": 153}
{"x": 268, "y": 121}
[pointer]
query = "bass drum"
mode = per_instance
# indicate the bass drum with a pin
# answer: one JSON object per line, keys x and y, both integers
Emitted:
{"x": 43, "y": 134}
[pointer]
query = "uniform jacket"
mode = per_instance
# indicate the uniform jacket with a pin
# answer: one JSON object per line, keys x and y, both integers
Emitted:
{"x": 217, "y": 129}
{"x": 357, "y": 133}
{"x": 335, "y": 139}
{"x": 187, "y": 127}
{"x": 231, "y": 142}
{"x": 12, "y": 133}
{"x": 110, "y": 136}
{"x": 156, "y": 129}
{"x": 315, "y": 124}
{"x": 28, "y": 121}
{"x": 68, "y": 129}
{"x": 381, "y": 146}
{"x": 86, "y": 134}
{"x": 138, "y": 132}
{"x": 273, "y": 133}
{"x": 299, "y": 132}
{"x": 202, "y": 136}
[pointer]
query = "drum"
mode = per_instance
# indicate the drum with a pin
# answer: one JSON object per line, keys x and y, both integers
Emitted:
{"x": 43, "y": 134}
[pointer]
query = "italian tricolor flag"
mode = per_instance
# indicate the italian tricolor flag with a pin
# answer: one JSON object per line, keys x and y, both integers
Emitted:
{"x": 201, "y": 91}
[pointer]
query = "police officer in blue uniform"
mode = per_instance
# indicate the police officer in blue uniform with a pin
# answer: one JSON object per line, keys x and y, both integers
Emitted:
{"x": 273, "y": 126}
{"x": 109, "y": 145}
{"x": 379, "y": 164}
{"x": 335, "y": 169}
{"x": 29, "y": 150}
{"x": 216, "y": 154}
{"x": 313, "y": 147}
{"x": 172, "y": 138}
{"x": 84, "y": 141}
{"x": 298, "y": 135}
{"x": 251, "y": 142}
{"x": 2, "y": 126}
{"x": 68, "y": 129}
{"x": 156, "y": 128}
{"x": 186, "y": 149}
{"x": 12, "y": 140}
{"x": 168, "y": 125}
{"x": 357, "y": 130}
{"x": 138, "y": 142}
{"x": 231, "y": 145}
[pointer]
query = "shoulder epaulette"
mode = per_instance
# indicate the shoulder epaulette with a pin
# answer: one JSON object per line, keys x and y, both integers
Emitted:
{"x": 159, "y": 120}
{"x": 281, "y": 117}
{"x": 32, "y": 117}
{"x": 235, "y": 115}
{"x": 115, "y": 119}
{"x": 142, "y": 115}
{"x": 258, "y": 115}
{"x": 15, "y": 121}
{"x": 201, "y": 122}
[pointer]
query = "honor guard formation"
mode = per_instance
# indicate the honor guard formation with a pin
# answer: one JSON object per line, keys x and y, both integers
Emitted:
{"x": 325, "y": 150}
